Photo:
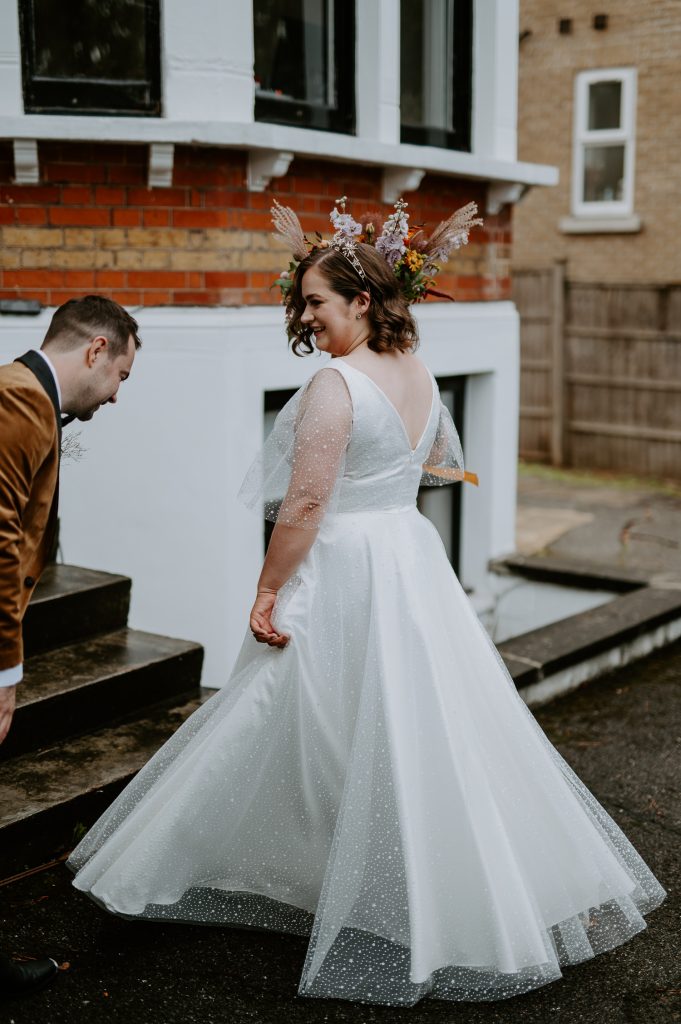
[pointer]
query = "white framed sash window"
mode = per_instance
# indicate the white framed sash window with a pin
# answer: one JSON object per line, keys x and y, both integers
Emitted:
{"x": 604, "y": 143}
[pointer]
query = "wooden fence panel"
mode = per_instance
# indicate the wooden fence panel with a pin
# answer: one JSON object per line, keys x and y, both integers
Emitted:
{"x": 601, "y": 378}
{"x": 532, "y": 295}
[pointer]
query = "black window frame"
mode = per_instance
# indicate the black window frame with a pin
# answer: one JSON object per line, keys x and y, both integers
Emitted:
{"x": 47, "y": 94}
{"x": 460, "y": 136}
{"x": 340, "y": 118}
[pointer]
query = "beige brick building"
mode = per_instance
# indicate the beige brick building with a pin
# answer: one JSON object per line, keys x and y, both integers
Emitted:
{"x": 614, "y": 216}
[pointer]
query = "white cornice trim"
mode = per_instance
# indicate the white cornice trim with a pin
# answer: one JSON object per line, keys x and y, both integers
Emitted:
{"x": 259, "y": 135}
{"x": 26, "y": 166}
{"x": 503, "y": 193}
{"x": 263, "y": 165}
{"x": 160, "y": 170}
{"x": 398, "y": 180}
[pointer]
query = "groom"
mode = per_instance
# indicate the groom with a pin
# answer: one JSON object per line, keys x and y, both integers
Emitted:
{"x": 87, "y": 353}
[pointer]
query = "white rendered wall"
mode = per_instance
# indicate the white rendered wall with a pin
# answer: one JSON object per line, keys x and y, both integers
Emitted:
{"x": 154, "y": 496}
{"x": 377, "y": 79}
{"x": 207, "y": 60}
{"x": 495, "y": 79}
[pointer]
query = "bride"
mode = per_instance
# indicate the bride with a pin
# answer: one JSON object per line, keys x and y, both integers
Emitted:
{"x": 369, "y": 776}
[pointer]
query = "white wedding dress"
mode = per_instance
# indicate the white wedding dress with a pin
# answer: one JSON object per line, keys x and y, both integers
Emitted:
{"x": 378, "y": 784}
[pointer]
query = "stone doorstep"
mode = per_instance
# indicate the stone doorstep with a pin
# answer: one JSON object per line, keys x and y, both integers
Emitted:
{"x": 60, "y": 580}
{"x": 70, "y": 603}
{"x": 586, "y": 575}
{"x": 571, "y": 678}
{"x": 57, "y": 787}
{"x": 543, "y": 652}
{"x": 98, "y": 682}
{"x": 573, "y": 650}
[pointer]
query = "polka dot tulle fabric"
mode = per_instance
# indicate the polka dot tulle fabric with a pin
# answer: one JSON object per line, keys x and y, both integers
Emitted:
{"x": 377, "y": 785}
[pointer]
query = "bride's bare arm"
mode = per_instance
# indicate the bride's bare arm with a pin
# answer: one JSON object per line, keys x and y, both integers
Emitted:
{"x": 321, "y": 437}
{"x": 288, "y": 547}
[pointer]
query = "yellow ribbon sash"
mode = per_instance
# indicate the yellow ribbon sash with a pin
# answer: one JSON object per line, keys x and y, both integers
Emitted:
{"x": 453, "y": 474}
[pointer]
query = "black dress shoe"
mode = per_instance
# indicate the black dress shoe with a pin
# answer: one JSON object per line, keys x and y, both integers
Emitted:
{"x": 27, "y": 977}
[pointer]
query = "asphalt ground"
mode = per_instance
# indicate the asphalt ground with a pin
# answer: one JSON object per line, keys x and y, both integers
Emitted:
{"x": 621, "y": 734}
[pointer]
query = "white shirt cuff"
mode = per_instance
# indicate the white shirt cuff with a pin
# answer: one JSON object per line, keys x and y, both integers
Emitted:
{"x": 11, "y": 676}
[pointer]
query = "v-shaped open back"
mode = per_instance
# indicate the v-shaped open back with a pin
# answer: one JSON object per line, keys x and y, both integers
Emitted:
{"x": 413, "y": 447}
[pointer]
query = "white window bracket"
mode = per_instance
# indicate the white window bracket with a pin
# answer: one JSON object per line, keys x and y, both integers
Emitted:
{"x": 26, "y": 166}
{"x": 161, "y": 157}
{"x": 265, "y": 164}
{"x": 398, "y": 180}
{"x": 503, "y": 193}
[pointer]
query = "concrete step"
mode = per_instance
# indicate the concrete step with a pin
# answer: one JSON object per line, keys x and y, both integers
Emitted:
{"x": 570, "y": 573}
{"x": 97, "y": 682}
{"x": 70, "y": 603}
{"x": 554, "y": 659}
{"x": 44, "y": 796}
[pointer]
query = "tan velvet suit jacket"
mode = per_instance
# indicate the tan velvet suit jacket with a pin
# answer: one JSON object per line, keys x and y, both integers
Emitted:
{"x": 29, "y": 472}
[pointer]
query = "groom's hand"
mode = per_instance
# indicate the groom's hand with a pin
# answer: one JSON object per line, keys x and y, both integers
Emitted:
{"x": 7, "y": 702}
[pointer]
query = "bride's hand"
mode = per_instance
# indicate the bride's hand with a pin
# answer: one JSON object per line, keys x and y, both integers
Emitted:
{"x": 261, "y": 621}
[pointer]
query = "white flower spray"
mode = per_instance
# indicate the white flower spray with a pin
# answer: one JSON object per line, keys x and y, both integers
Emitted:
{"x": 390, "y": 243}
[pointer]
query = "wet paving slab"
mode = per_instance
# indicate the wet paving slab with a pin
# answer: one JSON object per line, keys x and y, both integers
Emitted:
{"x": 622, "y": 735}
{"x": 630, "y": 524}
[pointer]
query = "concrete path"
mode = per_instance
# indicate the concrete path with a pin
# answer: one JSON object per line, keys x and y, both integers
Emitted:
{"x": 627, "y": 523}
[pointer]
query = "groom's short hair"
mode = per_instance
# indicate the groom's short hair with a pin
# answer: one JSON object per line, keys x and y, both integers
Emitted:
{"x": 80, "y": 320}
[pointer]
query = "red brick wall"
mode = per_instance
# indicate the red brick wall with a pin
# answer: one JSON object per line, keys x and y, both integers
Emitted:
{"x": 93, "y": 225}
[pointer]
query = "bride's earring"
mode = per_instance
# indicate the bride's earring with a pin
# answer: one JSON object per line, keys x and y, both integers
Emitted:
{"x": 358, "y": 316}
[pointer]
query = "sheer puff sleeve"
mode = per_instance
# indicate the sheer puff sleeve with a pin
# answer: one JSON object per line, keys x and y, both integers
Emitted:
{"x": 295, "y": 480}
{"x": 444, "y": 464}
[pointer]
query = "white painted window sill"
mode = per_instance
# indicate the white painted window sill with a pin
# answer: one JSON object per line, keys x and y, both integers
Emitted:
{"x": 600, "y": 225}
{"x": 259, "y": 135}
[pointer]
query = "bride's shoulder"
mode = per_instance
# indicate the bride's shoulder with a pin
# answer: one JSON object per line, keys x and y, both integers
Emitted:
{"x": 327, "y": 389}
{"x": 329, "y": 378}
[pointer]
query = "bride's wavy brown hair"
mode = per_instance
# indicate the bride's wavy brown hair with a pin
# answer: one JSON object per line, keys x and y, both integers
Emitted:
{"x": 392, "y": 325}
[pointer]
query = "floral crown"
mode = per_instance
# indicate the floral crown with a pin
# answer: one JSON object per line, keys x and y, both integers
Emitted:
{"x": 413, "y": 259}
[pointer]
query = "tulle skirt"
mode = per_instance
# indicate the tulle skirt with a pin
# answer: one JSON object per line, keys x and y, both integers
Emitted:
{"x": 380, "y": 786}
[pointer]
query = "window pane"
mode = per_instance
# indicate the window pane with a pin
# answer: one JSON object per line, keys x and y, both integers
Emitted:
{"x": 90, "y": 39}
{"x": 603, "y": 174}
{"x": 294, "y": 50}
{"x": 411, "y": 72}
{"x": 427, "y": 63}
{"x": 605, "y": 101}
